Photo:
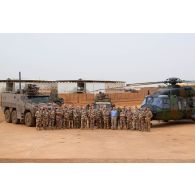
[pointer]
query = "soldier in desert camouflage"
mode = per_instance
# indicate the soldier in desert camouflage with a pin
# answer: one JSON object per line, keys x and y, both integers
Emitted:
{"x": 98, "y": 118}
{"x": 92, "y": 115}
{"x": 129, "y": 116}
{"x": 59, "y": 118}
{"x": 52, "y": 118}
{"x": 38, "y": 116}
{"x": 106, "y": 118}
{"x": 135, "y": 119}
{"x": 141, "y": 116}
{"x": 45, "y": 118}
{"x": 76, "y": 118}
{"x": 71, "y": 117}
{"x": 122, "y": 120}
{"x": 66, "y": 118}
{"x": 84, "y": 119}
{"x": 148, "y": 119}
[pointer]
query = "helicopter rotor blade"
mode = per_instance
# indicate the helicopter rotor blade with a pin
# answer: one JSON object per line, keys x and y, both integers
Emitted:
{"x": 188, "y": 81}
{"x": 145, "y": 83}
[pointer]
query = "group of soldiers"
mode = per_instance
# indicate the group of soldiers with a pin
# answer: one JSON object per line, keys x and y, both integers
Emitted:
{"x": 88, "y": 117}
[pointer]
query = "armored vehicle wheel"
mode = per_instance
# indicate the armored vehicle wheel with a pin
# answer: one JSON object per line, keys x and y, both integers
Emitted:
{"x": 8, "y": 116}
{"x": 14, "y": 117}
{"x": 29, "y": 120}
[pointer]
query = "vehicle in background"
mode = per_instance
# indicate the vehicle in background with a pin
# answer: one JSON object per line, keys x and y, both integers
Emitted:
{"x": 20, "y": 106}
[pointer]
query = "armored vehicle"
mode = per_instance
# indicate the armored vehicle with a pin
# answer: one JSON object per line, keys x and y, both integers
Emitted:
{"x": 21, "y": 106}
{"x": 102, "y": 100}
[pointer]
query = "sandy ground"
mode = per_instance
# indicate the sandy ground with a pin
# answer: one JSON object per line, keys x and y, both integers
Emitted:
{"x": 167, "y": 142}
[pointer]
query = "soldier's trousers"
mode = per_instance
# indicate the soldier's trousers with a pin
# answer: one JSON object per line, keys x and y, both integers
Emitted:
{"x": 45, "y": 123}
{"x": 135, "y": 124}
{"x": 51, "y": 123}
{"x": 106, "y": 123}
{"x": 92, "y": 123}
{"x": 71, "y": 124}
{"x": 114, "y": 122}
{"x": 122, "y": 123}
{"x": 129, "y": 124}
{"x": 38, "y": 123}
{"x": 148, "y": 125}
{"x": 142, "y": 125}
{"x": 76, "y": 123}
{"x": 83, "y": 123}
{"x": 99, "y": 123}
{"x": 66, "y": 123}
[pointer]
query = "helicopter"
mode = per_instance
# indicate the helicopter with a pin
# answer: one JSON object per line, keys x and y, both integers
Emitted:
{"x": 175, "y": 101}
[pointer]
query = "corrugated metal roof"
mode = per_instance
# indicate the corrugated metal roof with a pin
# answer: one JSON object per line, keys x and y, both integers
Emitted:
{"x": 59, "y": 81}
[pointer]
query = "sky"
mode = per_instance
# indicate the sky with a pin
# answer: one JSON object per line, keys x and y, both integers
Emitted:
{"x": 125, "y": 57}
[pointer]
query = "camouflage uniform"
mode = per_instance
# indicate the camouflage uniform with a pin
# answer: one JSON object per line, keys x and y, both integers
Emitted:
{"x": 135, "y": 120}
{"x": 98, "y": 118}
{"x": 106, "y": 117}
{"x": 45, "y": 118}
{"x": 142, "y": 120}
{"x": 123, "y": 119}
{"x": 71, "y": 118}
{"x": 79, "y": 117}
{"x": 66, "y": 119}
{"x": 52, "y": 118}
{"x": 38, "y": 116}
{"x": 84, "y": 119}
{"x": 92, "y": 114}
{"x": 148, "y": 118}
{"x": 129, "y": 116}
{"x": 76, "y": 119}
{"x": 59, "y": 118}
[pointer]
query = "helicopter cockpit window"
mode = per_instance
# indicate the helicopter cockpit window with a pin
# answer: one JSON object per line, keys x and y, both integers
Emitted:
{"x": 166, "y": 103}
{"x": 156, "y": 101}
{"x": 149, "y": 100}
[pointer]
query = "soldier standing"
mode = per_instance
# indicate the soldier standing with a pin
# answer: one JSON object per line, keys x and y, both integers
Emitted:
{"x": 52, "y": 116}
{"x": 142, "y": 120}
{"x": 38, "y": 116}
{"x": 66, "y": 119}
{"x": 71, "y": 118}
{"x": 79, "y": 116}
{"x": 122, "y": 119}
{"x": 84, "y": 119}
{"x": 135, "y": 118}
{"x": 129, "y": 116}
{"x": 98, "y": 118}
{"x": 45, "y": 118}
{"x": 49, "y": 117}
{"x": 106, "y": 118}
{"x": 76, "y": 119}
{"x": 59, "y": 118}
{"x": 92, "y": 115}
{"x": 148, "y": 119}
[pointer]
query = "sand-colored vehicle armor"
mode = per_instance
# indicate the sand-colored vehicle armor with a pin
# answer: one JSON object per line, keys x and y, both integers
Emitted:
{"x": 20, "y": 106}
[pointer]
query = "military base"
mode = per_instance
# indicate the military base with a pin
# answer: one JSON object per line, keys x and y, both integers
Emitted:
{"x": 95, "y": 121}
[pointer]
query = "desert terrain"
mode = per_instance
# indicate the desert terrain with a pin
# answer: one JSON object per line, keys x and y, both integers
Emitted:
{"x": 167, "y": 142}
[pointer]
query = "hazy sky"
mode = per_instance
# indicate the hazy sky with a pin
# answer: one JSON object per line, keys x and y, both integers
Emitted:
{"x": 126, "y": 57}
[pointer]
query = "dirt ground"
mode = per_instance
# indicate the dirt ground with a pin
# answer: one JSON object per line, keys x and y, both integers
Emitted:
{"x": 167, "y": 142}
